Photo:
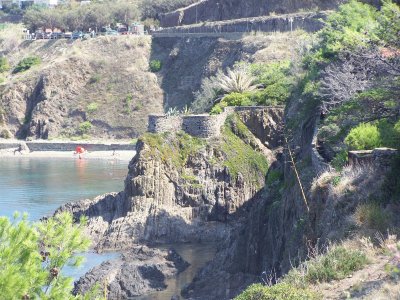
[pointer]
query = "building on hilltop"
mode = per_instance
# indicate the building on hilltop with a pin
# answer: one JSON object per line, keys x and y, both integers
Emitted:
{"x": 26, "y": 3}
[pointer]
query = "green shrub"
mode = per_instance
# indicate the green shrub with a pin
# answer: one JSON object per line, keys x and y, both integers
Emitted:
{"x": 155, "y": 65}
{"x": 340, "y": 160}
{"x": 233, "y": 99}
{"x": 85, "y": 127}
{"x": 372, "y": 215}
{"x": 277, "y": 80}
{"x": 26, "y": 64}
{"x": 4, "y": 66}
{"x": 390, "y": 133}
{"x": 365, "y": 136}
{"x": 280, "y": 291}
{"x": 338, "y": 263}
{"x": 94, "y": 79}
{"x": 92, "y": 107}
{"x": 368, "y": 136}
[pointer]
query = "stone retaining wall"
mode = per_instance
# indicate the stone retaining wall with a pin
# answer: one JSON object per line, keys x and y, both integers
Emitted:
{"x": 309, "y": 22}
{"x": 381, "y": 157}
{"x": 163, "y": 123}
{"x": 204, "y": 126}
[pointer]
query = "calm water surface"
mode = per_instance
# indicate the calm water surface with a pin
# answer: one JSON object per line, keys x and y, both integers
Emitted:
{"x": 38, "y": 186}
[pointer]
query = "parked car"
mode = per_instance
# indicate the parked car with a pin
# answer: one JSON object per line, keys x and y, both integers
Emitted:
{"x": 123, "y": 30}
{"x": 40, "y": 35}
{"x": 111, "y": 32}
{"x": 56, "y": 35}
{"x": 77, "y": 35}
{"x": 67, "y": 35}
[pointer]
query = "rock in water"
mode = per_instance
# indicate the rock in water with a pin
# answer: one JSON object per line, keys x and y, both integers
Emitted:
{"x": 139, "y": 271}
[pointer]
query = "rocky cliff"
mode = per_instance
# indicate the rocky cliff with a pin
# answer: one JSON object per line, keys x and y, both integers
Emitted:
{"x": 219, "y": 10}
{"x": 103, "y": 83}
{"x": 182, "y": 189}
{"x": 102, "y": 88}
{"x": 211, "y": 10}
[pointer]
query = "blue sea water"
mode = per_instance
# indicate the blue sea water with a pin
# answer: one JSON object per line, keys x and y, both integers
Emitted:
{"x": 38, "y": 186}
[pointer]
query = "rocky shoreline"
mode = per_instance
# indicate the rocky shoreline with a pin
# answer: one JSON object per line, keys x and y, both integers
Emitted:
{"x": 139, "y": 271}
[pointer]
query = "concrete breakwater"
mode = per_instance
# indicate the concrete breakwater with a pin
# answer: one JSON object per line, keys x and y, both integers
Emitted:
{"x": 66, "y": 146}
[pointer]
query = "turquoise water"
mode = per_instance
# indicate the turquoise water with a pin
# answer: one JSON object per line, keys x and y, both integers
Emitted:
{"x": 38, "y": 186}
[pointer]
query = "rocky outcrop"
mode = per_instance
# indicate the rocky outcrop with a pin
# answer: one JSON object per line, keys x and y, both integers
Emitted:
{"x": 139, "y": 271}
{"x": 178, "y": 189}
{"x": 213, "y": 10}
{"x": 72, "y": 85}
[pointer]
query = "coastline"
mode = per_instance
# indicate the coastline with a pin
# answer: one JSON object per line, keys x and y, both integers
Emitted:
{"x": 111, "y": 150}
{"x": 125, "y": 155}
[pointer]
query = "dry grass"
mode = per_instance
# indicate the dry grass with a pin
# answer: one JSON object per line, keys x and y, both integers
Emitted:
{"x": 361, "y": 179}
{"x": 11, "y": 38}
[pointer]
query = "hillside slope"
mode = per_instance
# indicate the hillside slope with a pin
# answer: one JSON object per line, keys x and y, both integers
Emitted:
{"x": 103, "y": 88}
{"x": 104, "y": 81}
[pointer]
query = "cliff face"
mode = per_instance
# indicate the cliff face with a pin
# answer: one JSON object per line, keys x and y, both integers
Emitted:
{"x": 180, "y": 189}
{"x": 73, "y": 84}
{"x": 211, "y": 10}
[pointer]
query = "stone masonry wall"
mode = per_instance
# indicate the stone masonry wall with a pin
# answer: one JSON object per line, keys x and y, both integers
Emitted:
{"x": 164, "y": 123}
{"x": 204, "y": 126}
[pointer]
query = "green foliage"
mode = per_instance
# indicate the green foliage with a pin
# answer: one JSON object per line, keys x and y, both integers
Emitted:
{"x": 276, "y": 79}
{"x": 389, "y": 23}
{"x": 372, "y": 216}
{"x": 365, "y": 136}
{"x": 155, "y": 65}
{"x": 280, "y": 291}
{"x": 32, "y": 256}
{"x": 240, "y": 157}
{"x": 95, "y": 78}
{"x": 92, "y": 107}
{"x": 85, "y": 127}
{"x": 4, "y": 66}
{"x": 174, "y": 150}
{"x": 340, "y": 160}
{"x": 233, "y": 99}
{"x": 351, "y": 26}
{"x": 26, "y": 64}
{"x": 338, "y": 263}
{"x": 368, "y": 136}
{"x": 73, "y": 16}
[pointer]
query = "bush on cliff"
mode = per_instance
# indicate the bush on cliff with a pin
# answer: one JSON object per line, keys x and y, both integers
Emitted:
{"x": 280, "y": 291}
{"x": 32, "y": 256}
{"x": 367, "y": 136}
{"x": 4, "y": 66}
{"x": 26, "y": 64}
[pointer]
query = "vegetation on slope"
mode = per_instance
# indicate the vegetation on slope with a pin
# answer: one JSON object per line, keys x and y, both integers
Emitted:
{"x": 235, "y": 147}
{"x": 337, "y": 263}
{"x": 246, "y": 84}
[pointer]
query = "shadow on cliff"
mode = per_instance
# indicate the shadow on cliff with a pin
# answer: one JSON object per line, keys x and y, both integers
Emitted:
{"x": 186, "y": 61}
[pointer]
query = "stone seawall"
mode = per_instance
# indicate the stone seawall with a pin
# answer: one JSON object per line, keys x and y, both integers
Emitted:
{"x": 66, "y": 146}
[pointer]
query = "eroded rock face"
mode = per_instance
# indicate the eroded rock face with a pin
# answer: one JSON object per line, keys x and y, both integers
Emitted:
{"x": 138, "y": 271}
{"x": 164, "y": 202}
